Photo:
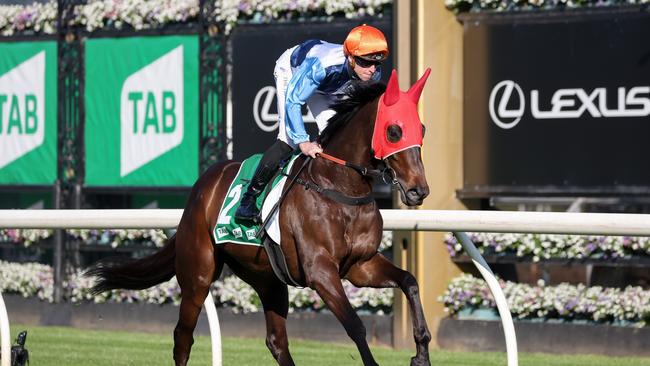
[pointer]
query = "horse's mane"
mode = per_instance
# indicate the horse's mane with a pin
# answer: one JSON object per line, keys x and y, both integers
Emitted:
{"x": 359, "y": 94}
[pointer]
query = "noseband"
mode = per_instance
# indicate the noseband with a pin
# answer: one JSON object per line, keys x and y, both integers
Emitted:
{"x": 392, "y": 176}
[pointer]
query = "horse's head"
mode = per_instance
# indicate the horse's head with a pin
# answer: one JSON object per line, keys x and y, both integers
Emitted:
{"x": 397, "y": 138}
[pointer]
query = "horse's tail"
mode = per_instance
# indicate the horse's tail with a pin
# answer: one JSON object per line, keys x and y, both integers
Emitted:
{"x": 136, "y": 274}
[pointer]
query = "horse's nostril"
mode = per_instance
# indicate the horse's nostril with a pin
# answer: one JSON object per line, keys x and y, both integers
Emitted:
{"x": 417, "y": 193}
{"x": 413, "y": 194}
{"x": 423, "y": 191}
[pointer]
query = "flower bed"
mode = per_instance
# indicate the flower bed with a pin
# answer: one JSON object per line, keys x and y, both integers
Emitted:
{"x": 459, "y": 6}
{"x": 564, "y": 302}
{"x": 146, "y": 14}
{"x": 29, "y": 279}
{"x": 230, "y": 11}
{"x": 544, "y": 246}
{"x": 115, "y": 238}
{"x": 23, "y": 237}
{"x": 36, "y": 18}
{"x": 37, "y": 280}
{"x": 138, "y": 14}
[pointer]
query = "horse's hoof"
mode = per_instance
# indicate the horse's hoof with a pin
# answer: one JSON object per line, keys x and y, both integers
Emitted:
{"x": 420, "y": 361}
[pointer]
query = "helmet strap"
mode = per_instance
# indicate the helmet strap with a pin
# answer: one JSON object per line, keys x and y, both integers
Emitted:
{"x": 351, "y": 61}
{"x": 351, "y": 65}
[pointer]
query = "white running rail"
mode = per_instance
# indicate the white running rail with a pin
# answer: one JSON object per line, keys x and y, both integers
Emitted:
{"x": 5, "y": 341}
{"x": 423, "y": 220}
{"x": 215, "y": 329}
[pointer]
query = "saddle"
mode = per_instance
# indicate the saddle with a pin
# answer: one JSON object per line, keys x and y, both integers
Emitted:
{"x": 267, "y": 235}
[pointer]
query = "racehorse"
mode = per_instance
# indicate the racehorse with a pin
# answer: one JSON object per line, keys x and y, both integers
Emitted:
{"x": 324, "y": 240}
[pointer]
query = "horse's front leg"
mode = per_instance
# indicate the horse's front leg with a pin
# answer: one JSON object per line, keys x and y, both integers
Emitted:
{"x": 324, "y": 278}
{"x": 381, "y": 273}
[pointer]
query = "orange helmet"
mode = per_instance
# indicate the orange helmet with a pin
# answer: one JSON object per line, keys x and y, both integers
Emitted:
{"x": 367, "y": 43}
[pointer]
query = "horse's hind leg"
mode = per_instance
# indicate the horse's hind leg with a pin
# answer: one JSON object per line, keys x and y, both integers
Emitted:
{"x": 327, "y": 283}
{"x": 380, "y": 273}
{"x": 275, "y": 299}
{"x": 195, "y": 270}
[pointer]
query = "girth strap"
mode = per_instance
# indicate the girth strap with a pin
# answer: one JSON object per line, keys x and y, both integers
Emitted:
{"x": 278, "y": 262}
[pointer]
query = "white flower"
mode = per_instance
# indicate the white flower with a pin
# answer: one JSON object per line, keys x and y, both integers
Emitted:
{"x": 34, "y": 279}
{"x": 545, "y": 246}
{"x": 230, "y": 11}
{"x": 36, "y": 17}
{"x": 563, "y": 301}
{"x": 145, "y": 14}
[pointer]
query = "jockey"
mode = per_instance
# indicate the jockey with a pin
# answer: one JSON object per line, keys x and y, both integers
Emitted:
{"x": 317, "y": 73}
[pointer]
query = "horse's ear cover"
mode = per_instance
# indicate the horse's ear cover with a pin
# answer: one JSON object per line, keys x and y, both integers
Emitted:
{"x": 392, "y": 94}
{"x": 416, "y": 90}
{"x": 398, "y": 108}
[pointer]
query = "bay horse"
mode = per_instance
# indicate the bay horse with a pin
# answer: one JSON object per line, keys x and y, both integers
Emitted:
{"x": 323, "y": 240}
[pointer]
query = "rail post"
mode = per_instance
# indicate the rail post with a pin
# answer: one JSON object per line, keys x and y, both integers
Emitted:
{"x": 497, "y": 293}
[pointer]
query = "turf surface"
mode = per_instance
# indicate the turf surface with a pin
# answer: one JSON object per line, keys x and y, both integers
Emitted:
{"x": 53, "y": 346}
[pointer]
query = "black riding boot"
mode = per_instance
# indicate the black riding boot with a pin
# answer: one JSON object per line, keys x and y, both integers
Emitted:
{"x": 269, "y": 163}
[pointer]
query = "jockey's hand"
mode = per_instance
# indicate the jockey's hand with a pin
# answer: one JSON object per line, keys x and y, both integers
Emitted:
{"x": 310, "y": 148}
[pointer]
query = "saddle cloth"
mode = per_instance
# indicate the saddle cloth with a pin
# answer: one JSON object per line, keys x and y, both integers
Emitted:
{"x": 243, "y": 232}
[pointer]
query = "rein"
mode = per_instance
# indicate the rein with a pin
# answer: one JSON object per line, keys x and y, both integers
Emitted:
{"x": 364, "y": 171}
{"x": 386, "y": 174}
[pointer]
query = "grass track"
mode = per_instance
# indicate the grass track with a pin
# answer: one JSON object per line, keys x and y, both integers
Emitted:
{"x": 54, "y": 346}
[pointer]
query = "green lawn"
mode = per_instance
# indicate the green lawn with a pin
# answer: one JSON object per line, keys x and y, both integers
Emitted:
{"x": 53, "y": 346}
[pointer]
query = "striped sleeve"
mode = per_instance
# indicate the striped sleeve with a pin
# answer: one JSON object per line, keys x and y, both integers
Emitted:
{"x": 302, "y": 85}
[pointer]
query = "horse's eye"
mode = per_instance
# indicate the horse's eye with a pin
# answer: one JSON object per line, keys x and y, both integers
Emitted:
{"x": 394, "y": 133}
{"x": 424, "y": 129}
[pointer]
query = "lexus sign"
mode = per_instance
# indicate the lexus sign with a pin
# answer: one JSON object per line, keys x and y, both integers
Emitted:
{"x": 567, "y": 103}
{"x": 500, "y": 114}
{"x": 559, "y": 106}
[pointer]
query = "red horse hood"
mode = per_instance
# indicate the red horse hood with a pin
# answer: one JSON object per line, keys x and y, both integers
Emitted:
{"x": 398, "y": 108}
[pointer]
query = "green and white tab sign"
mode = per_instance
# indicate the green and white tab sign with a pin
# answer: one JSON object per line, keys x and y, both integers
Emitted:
{"x": 142, "y": 111}
{"x": 28, "y": 113}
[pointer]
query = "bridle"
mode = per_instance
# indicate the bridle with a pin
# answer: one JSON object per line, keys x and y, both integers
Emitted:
{"x": 386, "y": 174}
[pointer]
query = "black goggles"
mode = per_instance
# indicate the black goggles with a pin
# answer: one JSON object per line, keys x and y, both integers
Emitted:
{"x": 365, "y": 63}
